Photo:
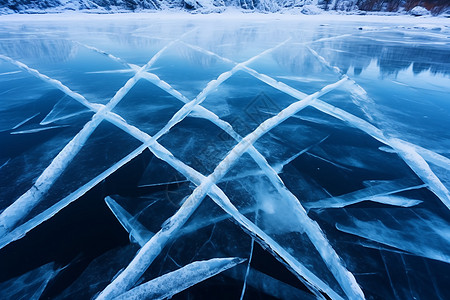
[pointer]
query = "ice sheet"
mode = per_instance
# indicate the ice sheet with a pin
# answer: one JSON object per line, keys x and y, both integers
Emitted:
{"x": 188, "y": 129}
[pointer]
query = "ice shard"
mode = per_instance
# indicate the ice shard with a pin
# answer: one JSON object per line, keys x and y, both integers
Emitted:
{"x": 137, "y": 232}
{"x": 172, "y": 283}
{"x": 64, "y": 109}
{"x": 382, "y": 193}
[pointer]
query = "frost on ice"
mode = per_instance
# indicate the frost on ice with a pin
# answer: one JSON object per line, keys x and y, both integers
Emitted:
{"x": 188, "y": 149}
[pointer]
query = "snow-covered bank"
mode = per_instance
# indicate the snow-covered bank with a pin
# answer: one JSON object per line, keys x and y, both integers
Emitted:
{"x": 423, "y": 22}
{"x": 305, "y": 7}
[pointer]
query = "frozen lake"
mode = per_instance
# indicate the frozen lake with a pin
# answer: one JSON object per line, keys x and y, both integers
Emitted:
{"x": 318, "y": 150}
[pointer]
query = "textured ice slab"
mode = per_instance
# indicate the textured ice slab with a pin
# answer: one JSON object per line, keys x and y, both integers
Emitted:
{"x": 318, "y": 151}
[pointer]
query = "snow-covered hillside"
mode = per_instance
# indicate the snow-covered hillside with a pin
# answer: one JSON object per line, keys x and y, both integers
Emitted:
{"x": 415, "y": 7}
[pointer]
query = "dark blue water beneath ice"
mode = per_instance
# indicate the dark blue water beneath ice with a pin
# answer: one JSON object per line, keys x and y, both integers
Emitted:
{"x": 383, "y": 211}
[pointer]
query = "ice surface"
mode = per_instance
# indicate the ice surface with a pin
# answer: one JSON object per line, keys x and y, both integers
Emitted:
{"x": 186, "y": 130}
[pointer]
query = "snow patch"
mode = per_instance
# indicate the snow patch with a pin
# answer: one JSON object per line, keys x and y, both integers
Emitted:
{"x": 419, "y": 11}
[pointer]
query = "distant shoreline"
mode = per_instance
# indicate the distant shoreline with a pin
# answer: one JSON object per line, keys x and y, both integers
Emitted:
{"x": 228, "y": 14}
